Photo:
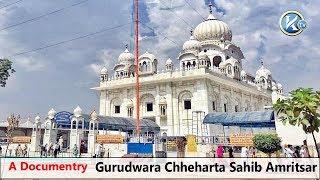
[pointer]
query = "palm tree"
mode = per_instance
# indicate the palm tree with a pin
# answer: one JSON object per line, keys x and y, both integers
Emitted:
{"x": 301, "y": 109}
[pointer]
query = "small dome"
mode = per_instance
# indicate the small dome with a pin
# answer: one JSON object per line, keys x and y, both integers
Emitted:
{"x": 231, "y": 61}
{"x": 104, "y": 71}
{"x": 243, "y": 73}
{"x": 148, "y": 55}
{"x": 212, "y": 29}
{"x": 51, "y": 113}
{"x": 169, "y": 61}
{"x": 279, "y": 86}
{"x": 274, "y": 88}
{"x": 191, "y": 44}
{"x": 77, "y": 111}
{"x": 203, "y": 55}
{"x": 126, "y": 56}
{"x": 262, "y": 72}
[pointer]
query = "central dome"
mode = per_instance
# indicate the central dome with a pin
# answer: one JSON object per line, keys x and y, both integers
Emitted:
{"x": 212, "y": 29}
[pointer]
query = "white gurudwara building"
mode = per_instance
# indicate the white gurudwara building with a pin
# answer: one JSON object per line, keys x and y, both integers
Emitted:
{"x": 210, "y": 78}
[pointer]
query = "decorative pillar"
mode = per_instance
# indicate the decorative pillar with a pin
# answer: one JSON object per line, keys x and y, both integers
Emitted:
{"x": 50, "y": 133}
{"x": 36, "y": 135}
{"x": 93, "y": 131}
{"x": 77, "y": 128}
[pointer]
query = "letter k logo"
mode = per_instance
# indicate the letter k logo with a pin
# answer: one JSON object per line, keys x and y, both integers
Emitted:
{"x": 290, "y": 23}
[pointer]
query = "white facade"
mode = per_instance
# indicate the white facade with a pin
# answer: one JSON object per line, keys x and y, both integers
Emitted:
{"x": 210, "y": 78}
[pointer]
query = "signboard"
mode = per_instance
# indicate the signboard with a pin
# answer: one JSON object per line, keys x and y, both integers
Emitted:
{"x": 110, "y": 138}
{"x": 63, "y": 117}
{"x": 140, "y": 148}
{"x": 191, "y": 143}
{"x": 21, "y": 139}
{"x": 241, "y": 139}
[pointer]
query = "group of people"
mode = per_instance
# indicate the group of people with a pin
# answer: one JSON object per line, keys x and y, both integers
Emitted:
{"x": 51, "y": 150}
{"x": 288, "y": 151}
{"x": 249, "y": 152}
{"x": 245, "y": 151}
{"x": 21, "y": 151}
{"x": 296, "y": 152}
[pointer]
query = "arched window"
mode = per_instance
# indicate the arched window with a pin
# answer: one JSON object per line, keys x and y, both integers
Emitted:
{"x": 208, "y": 64}
{"x": 144, "y": 66}
{"x": 229, "y": 70}
{"x": 236, "y": 71}
{"x": 194, "y": 64}
{"x": 80, "y": 125}
{"x": 130, "y": 111}
{"x": 47, "y": 126}
{"x": 225, "y": 107}
{"x": 236, "y": 108}
{"x": 188, "y": 65}
{"x": 74, "y": 124}
{"x": 216, "y": 61}
{"x": 148, "y": 67}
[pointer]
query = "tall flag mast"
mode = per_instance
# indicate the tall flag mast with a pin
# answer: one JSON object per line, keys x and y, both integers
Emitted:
{"x": 136, "y": 53}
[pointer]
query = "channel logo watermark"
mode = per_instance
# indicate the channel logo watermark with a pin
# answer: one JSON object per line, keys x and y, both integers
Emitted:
{"x": 292, "y": 23}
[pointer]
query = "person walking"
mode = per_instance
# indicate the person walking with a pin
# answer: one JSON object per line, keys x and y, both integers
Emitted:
{"x": 103, "y": 151}
{"x": 25, "y": 151}
{"x": 288, "y": 151}
{"x": 45, "y": 150}
{"x": 304, "y": 151}
{"x": 18, "y": 151}
{"x": 254, "y": 152}
{"x": 56, "y": 149}
{"x": 98, "y": 150}
{"x": 230, "y": 151}
{"x": 296, "y": 153}
{"x": 220, "y": 151}
{"x": 244, "y": 152}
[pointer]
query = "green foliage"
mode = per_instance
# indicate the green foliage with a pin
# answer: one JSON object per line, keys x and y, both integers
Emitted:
{"x": 267, "y": 143}
{"x": 300, "y": 109}
{"x": 5, "y": 69}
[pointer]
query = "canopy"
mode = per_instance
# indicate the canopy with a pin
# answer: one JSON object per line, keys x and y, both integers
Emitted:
{"x": 244, "y": 119}
{"x": 124, "y": 124}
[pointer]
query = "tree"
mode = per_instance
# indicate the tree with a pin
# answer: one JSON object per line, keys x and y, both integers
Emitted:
{"x": 267, "y": 143}
{"x": 301, "y": 109}
{"x": 5, "y": 69}
{"x": 13, "y": 124}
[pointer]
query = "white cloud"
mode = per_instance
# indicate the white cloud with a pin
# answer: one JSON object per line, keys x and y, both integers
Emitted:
{"x": 30, "y": 64}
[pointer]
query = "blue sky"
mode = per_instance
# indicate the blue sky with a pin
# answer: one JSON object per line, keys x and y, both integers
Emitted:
{"x": 61, "y": 76}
